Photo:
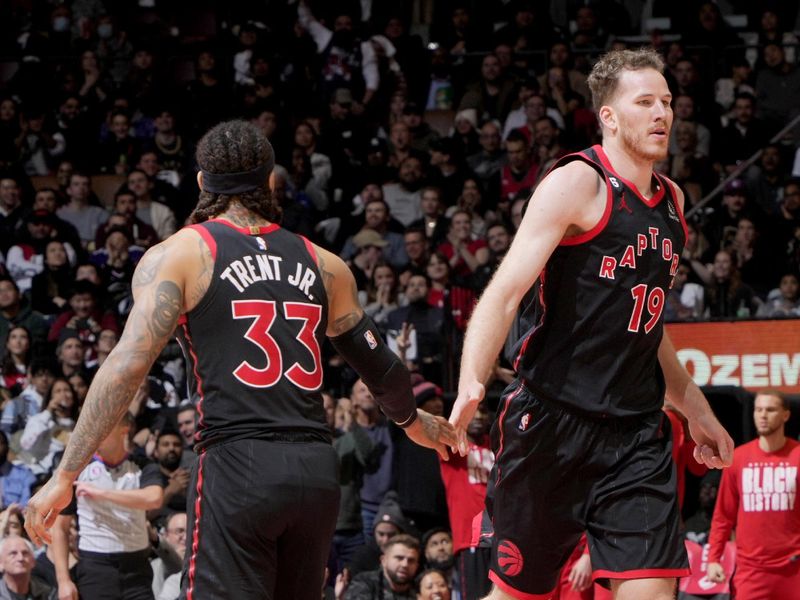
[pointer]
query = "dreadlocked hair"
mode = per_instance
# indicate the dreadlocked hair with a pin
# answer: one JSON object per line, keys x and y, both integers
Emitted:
{"x": 233, "y": 147}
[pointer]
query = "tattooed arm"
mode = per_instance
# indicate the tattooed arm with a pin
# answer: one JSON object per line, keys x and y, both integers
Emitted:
{"x": 345, "y": 314}
{"x": 169, "y": 280}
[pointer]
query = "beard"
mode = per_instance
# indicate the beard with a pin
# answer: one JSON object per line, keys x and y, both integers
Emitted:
{"x": 767, "y": 430}
{"x": 171, "y": 461}
{"x": 443, "y": 565}
{"x": 638, "y": 147}
{"x": 398, "y": 579}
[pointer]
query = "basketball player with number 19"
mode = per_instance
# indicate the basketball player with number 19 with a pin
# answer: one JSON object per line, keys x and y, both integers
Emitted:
{"x": 581, "y": 441}
{"x": 251, "y": 303}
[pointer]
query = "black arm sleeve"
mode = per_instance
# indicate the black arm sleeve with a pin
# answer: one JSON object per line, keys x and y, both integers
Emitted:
{"x": 380, "y": 369}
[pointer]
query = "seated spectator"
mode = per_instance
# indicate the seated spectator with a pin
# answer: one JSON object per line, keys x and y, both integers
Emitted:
{"x": 754, "y": 259}
{"x": 425, "y": 320}
{"x": 381, "y": 295}
{"x": 492, "y": 95}
{"x": 119, "y": 152}
{"x": 29, "y": 402}
{"x": 187, "y": 424}
{"x": 378, "y": 218}
{"x": 433, "y": 585}
{"x": 417, "y": 249}
{"x": 116, "y": 261}
{"x": 170, "y": 552}
{"x": 742, "y": 136}
{"x": 446, "y": 172}
{"x": 174, "y": 478}
{"x": 698, "y": 526}
{"x": 47, "y": 433}
{"x": 26, "y": 257}
{"x": 14, "y": 360}
{"x": 305, "y": 138}
{"x": 433, "y": 221}
{"x": 15, "y": 310}
{"x": 685, "y": 299}
{"x": 80, "y": 381}
{"x": 102, "y": 347}
{"x": 399, "y": 565}
{"x": 400, "y": 145}
{"x": 727, "y": 295}
{"x": 721, "y": 226}
{"x": 520, "y": 173}
{"x": 70, "y": 353}
{"x": 12, "y": 211}
{"x": 765, "y": 179}
{"x": 51, "y": 287}
{"x": 125, "y": 214}
{"x": 464, "y": 253}
{"x": 784, "y": 301}
{"x": 464, "y": 133}
{"x": 78, "y": 212}
{"x": 16, "y": 480}
{"x": 389, "y": 522}
{"x": 488, "y": 161}
{"x": 17, "y": 562}
{"x": 11, "y": 522}
{"x": 403, "y": 197}
{"x": 85, "y": 314}
{"x": 444, "y": 293}
{"x": 471, "y": 201}
{"x": 154, "y": 213}
{"x": 40, "y": 144}
{"x": 776, "y": 87}
{"x": 422, "y": 134}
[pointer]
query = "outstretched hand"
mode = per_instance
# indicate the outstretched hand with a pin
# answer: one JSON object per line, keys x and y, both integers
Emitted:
{"x": 432, "y": 432}
{"x": 714, "y": 446}
{"x": 463, "y": 411}
{"x": 43, "y": 508}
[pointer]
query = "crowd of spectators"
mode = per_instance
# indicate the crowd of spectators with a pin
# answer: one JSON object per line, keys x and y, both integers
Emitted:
{"x": 408, "y": 137}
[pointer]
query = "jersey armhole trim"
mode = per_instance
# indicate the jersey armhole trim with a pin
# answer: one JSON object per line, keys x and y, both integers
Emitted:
{"x": 207, "y": 237}
{"x": 310, "y": 248}
{"x": 678, "y": 208}
{"x": 586, "y": 236}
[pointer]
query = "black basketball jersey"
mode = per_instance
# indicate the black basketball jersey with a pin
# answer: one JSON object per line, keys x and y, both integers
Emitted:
{"x": 598, "y": 319}
{"x": 253, "y": 342}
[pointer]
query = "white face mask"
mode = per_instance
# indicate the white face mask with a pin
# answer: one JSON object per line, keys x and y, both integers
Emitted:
{"x": 61, "y": 24}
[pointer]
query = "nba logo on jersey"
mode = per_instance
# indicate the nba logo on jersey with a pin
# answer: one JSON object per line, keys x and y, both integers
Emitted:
{"x": 261, "y": 244}
{"x": 524, "y": 421}
{"x": 371, "y": 342}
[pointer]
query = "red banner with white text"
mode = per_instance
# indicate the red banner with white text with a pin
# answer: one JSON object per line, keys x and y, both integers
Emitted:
{"x": 755, "y": 355}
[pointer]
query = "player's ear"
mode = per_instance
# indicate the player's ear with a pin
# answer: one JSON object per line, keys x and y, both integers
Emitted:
{"x": 607, "y": 116}
{"x": 200, "y": 179}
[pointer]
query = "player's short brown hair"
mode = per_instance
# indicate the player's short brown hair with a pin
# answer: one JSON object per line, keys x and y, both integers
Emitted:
{"x": 776, "y": 394}
{"x": 409, "y": 541}
{"x": 606, "y": 71}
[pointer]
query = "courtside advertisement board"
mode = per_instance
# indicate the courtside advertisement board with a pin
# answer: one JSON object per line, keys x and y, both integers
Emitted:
{"x": 755, "y": 355}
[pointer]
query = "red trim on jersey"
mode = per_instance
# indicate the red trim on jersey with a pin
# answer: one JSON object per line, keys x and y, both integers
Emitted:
{"x": 310, "y": 248}
{"x": 607, "y": 164}
{"x": 197, "y": 376}
{"x": 502, "y": 430}
{"x": 678, "y": 207}
{"x": 640, "y": 574}
{"x": 515, "y": 592}
{"x": 198, "y": 506}
{"x": 206, "y": 235}
{"x": 601, "y": 224}
{"x": 246, "y": 230}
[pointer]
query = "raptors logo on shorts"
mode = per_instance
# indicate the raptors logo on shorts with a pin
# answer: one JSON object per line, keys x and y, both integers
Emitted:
{"x": 509, "y": 558}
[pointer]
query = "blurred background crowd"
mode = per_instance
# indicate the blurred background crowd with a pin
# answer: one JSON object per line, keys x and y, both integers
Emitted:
{"x": 408, "y": 136}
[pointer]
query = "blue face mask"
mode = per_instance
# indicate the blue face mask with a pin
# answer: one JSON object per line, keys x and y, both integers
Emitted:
{"x": 61, "y": 24}
{"x": 105, "y": 30}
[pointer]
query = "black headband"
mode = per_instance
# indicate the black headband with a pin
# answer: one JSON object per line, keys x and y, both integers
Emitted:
{"x": 237, "y": 183}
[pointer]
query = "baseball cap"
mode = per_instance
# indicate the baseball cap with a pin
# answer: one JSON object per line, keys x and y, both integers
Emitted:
{"x": 735, "y": 187}
{"x": 424, "y": 391}
{"x": 369, "y": 237}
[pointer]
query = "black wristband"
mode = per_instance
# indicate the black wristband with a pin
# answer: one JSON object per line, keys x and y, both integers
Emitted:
{"x": 409, "y": 421}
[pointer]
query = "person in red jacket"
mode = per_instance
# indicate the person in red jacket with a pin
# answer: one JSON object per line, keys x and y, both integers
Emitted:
{"x": 758, "y": 498}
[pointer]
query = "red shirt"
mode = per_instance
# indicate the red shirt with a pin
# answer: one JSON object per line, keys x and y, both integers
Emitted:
{"x": 758, "y": 497}
{"x": 461, "y": 268}
{"x": 510, "y": 185}
{"x": 465, "y": 479}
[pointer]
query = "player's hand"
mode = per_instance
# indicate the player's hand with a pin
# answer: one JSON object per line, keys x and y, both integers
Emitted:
{"x": 580, "y": 576}
{"x": 43, "y": 508}
{"x": 67, "y": 590}
{"x": 715, "y": 572}
{"x": 714, "y": 445}
{"x": 463, "y": 410}
{"x": 432, "y": 432}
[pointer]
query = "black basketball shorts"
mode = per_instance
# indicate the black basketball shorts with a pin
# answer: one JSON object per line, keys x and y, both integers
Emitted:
{"x": 558, "y": 474}
{"x": 260, "y": 519}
